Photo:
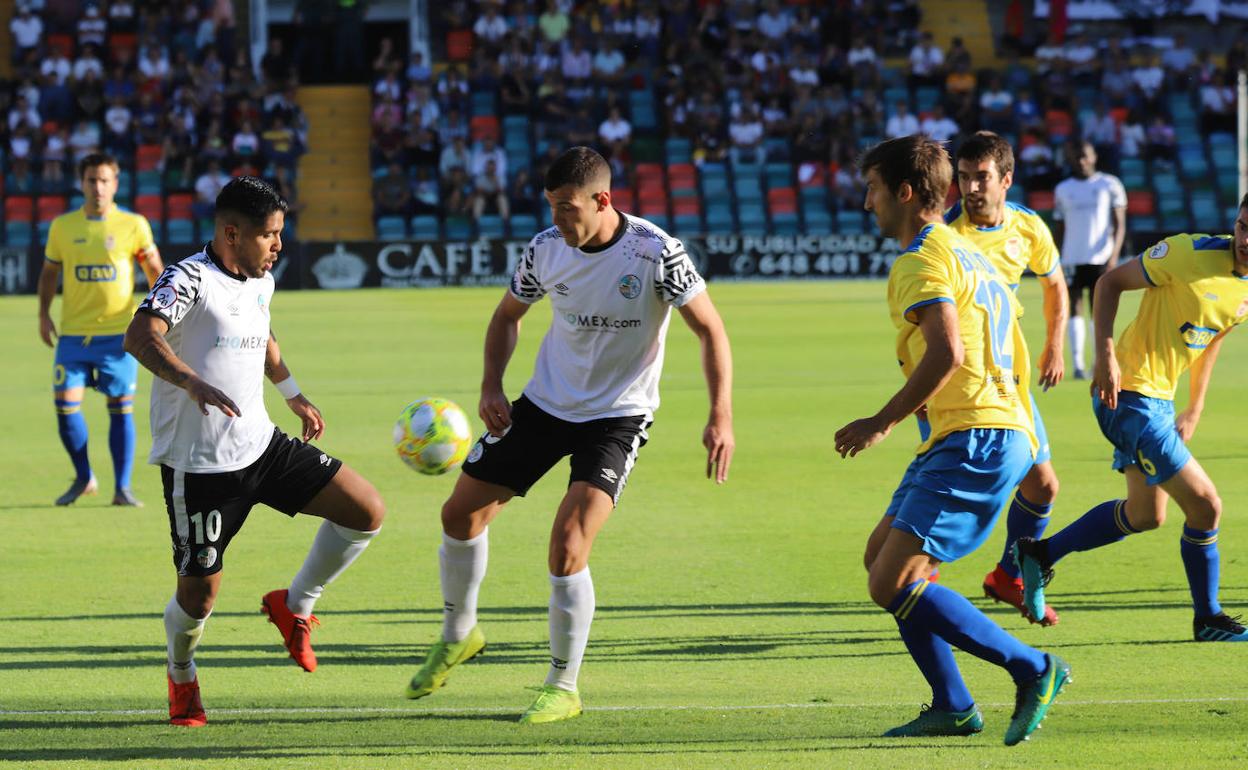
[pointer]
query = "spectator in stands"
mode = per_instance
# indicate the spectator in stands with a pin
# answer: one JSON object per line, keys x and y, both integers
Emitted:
{"x": 810, "y": 142}
{"x": 246, "y": 143}
{"x": 454, "y": 155}
{"x": 56, "y": 100}
{"x": 774, "y": 23}
{"x": 1083, "y": 60}
{"x": 960, "y": 94}
{"x": 425, "y": 199}
{"x": 957, "y": 55}
{"x": 490, "y": 28}
{"x": 610, "y": 66}
{"x": 420, "y": 102}
{"x": 1237, "y": 56}
{"x": 1131, "y": 136}
{"x": 577, "y": 67}
{"x": 648, "y": 32}
{"x": 1037, "y": 164}
{"x": 996, "y": 108}
{"x": 275, "y": 65}
{"x": 284, "y": 181}
{"x": 581, "y": 129}
{"x": 453, "y": 89}
{"x": 514, "y": 91}
{"x": 523, "y": 195}
{"x": 388, "y": 86}
{"x": 554, "y": 106}
{"x": 154, "y": 63}
{"x": 121, "y": 16}
{"x": 88, "y": 61}
{"x": 1217, "y": 106}
{"x": 207, "y": 187}
{"x": 1101, "y": 130}
{"x": 20, "y": 180}
{"x": 864, "y": 63}
{"x": 388, "y": 139}
{"x": 544, "y": 162}
{"x": 84, "y": 140}
{"x": 55, "y": 153}
{"x": 457, "y": 194}
{"x": 392, "y": 194}
{"x": 149, "y": 120}
{"x": 927, "y": 63}
{"x": 422, "y": 148}
{"x": 417, "y": 71}
{"x": 1162, "y": 142}
{"x": 804, "y": 69}
{"x": 848, "y": 187}
{"x": 279, "y": 144}
{"x": 119, "y": 129}
{"x": 1149, "y": 80}
{"x": 490, "y": 192}
{"x": 1179, "y": 61}
{"x": 710, "y": 144}
{"x": 776, "y": 120}
{"x": 452, "y": 124}
{"x": 58, "y": 65}
{"x": 23, "y": 114}
{"x": 746, "y": 132}
{"x": 1116, "y": 82}
{"x": 27, "y": 29}
{"x": 349, "y": 39}
{"x": 901, "y": 122}
{"x": 488, "y": 151}
{"x": 553, "y": 23}
{"x": 178, "y": 151}
{"x": 869, "y": 115}
{"x": 712, "y": 28}
{"x": 213, "y": 145}
{"x": 939, "y": 126}
{"x": 89, "y": 95}
{"x": 615, "y": 133}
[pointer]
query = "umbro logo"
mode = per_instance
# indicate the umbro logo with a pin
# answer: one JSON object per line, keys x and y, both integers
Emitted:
{"x": 610, "y": 475}
{"x": 324, "y": 459}
{"x": 232, "y": 308}
{"x": 562, "y": 289}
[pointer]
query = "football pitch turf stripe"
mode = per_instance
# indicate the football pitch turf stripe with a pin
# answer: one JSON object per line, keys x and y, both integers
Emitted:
{"x": 381, "y": 710}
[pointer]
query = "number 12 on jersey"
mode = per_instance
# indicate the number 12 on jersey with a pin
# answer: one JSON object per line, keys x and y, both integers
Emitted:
{"x": 995, "y": 298}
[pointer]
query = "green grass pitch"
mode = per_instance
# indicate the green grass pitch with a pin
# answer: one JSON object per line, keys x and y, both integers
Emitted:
{"x": 733, "y": 627}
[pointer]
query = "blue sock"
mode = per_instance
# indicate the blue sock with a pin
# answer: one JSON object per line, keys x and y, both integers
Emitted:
{"x": 1199, "y": 548}
{"x": 934, "y": 657}
{"x": 73, "y": 429}
{"x": 950, "y": 616}
{"x": 121, "y": 441}
{"x": 1106, "y": 523}
{"x": 1025, "y": 519}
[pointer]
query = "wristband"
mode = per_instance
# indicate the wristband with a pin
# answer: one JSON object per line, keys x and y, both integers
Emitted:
{"x": 288, "y": 388}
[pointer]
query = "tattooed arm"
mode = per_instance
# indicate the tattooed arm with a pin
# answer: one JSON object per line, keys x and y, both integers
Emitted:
{"x": 145, "y": 340}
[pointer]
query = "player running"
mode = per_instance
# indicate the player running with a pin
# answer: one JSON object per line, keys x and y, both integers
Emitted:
{"x": 204, "y": 332}
{"x": 964, "y": 357}
{"x": 1195, "y": 292}
{"x": 1014, "y": 238}
{"x": 613, "y": 279}
{"x": 95, "y": 248}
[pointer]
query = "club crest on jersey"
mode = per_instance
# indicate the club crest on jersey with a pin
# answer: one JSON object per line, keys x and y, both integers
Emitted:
{"x": 109, "y": 242}
{"x": 1243, "y": 308}
{"x": 260, "y": 301}
{"x": 630, "y": 286}
{"x": 207, "y": 557}
{"x": 1159, "y": 251}
{"x": 1013, "y": 247}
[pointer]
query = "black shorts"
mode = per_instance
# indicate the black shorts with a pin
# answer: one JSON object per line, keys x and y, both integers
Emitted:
{"x": 206, "y": 510}
{"x": 603, "y": 451}
{"x": 1083, "y": 277}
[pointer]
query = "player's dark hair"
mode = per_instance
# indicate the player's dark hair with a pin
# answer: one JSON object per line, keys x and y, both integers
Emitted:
{"x": 580, "y": 167}
{"x": 983, "y": 145}
{"x": 916, "y": 160}
{"x": 1243, "y": 202}
{"x": 94, "y": 159}
{"x": 253, "y": 199}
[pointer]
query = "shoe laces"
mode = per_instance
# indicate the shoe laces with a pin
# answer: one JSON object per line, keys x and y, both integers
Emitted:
{"x": 310, "y": 622}
{"x": 1227, "y": 623}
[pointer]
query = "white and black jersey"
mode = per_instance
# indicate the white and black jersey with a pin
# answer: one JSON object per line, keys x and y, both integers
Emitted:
{"x": 603, "y": 353}
{"x": 219, "y": 326}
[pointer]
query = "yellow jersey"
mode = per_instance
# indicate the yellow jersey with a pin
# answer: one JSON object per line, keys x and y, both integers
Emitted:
{"x": 985, "y": 391}
{"x": 97, "y": 257}
{"x": 1021, "y": 241}
{"x": 1193, "y": 295}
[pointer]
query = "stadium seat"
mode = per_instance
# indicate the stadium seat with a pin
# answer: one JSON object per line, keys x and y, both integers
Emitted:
{"x": 623, "y": 198}
{"x": 778, "y": 174}
{"x": 483, "y": 104}
{"x": 182, "y": 231}
{"x": 49, "y": 207}
{"x": 652, "y": 204}
{"x": 785, "y": 224}
{"x": 147, "y": 157}
{"x": 686, "y": 224}
{"x": 148, "y": 183}
{"x": 61, "y": 43}
{"x": 459, "y": 44}
{"x": 150, "y": 206}
{"x": 781, "y": 200}
{"x": 686, "y": 206}
{"x": 458, "y": 228}
{"x": 41, "y": 231}
{"x": 179, "y": 206}
{"x": 19, "y": 208}
{"x": 491, "y": 226}
{"x": 776, "y": 149}
{"x": 719, "y": 218}
{"x": 849, "y": 221}
{"x": 1140, "y": 202}
{"x": 678, "y": 150}
{"x": 523, "y": 225}
{"x": 715, "y": 186}
{"x": 747, "y": 189}
{"x": 818, "y": 221}
{"x": 425, "y": 228}
{"x": 17, "y": 233}
{"x": 483, "y": 126}
{"x": 391, "y": 228}
{"x": 752, "y": 217}
{"x": 1040, "y": 200}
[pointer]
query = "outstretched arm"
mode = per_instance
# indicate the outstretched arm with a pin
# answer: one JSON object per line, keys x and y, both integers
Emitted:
{"x": 145, "y": 340}
{"x": 1106, "y": 376}
{"x": 313, "y": 424}
{"x": 938, "y": 322}
{"x": 1056, "y": 314}
{"x": 702, "y": 317}
{"x": 500, "y": 342}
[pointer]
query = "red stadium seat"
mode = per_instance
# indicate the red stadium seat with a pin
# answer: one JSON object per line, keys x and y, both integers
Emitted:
{"x": 148, "y": 157}
{"x": 649, "y": 171}
{"x": 1040, "y": 200}
{"x": 782, "y": 200}
{"x": 1059, "y": 123}
{"x": 813, "y": 175}
{"x": 459, "y": 44}
{"x": 483, "y": 126}
{"x": 682, "y": 176}
{"x": 622, "y": 198}
{"x": 61, "y": 43}
{"x": 49, "y": 207}
{"x": 150, "y": 206}
{"x": 178, "y": 206}
{"x": 19, "y": 208}
{"x": 122, "y": 45}
{"x": 1141, "y": 202}
{"x": 686, "y": 206}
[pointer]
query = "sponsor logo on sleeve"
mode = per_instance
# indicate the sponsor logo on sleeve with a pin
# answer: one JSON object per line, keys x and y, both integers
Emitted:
{"x": 1159, "y": 251}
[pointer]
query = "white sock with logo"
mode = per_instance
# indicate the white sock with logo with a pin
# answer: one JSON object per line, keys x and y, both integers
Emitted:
{"x": 333, "y": 550}
{"x": 462, "y": 565}
{"x": 571, "y": 611}
{"x": 182, "y": 633}
{"x": 1078, "y": 334}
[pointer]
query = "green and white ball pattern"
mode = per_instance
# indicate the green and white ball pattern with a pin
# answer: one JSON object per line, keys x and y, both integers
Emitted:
{"x": 432, "y": 435}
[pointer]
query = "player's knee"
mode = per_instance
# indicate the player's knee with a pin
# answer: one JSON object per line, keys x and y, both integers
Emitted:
{"x": 1041, "y": 489}
{"x": 457, "y": 520}
{"x": 568, "y": 558}
{"x": 373, "y": 509}
{"x": 882, "y": 587}
{"x": 1206, "y": 511}
{"x": 196, "y": 601}
{"x": 1145, "y": 517}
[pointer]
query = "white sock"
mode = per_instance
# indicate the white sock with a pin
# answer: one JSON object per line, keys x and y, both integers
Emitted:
{"x": 571, "y": 611}
{"x": 1078, "y": 334}
{"x": 182, "y": 633}
{"x": 462, "y": 564}
{"x": 333, "y": 550}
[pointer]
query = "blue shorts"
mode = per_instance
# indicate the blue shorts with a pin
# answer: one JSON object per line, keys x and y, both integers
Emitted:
{"x": 95, "y": 362}
{"x": 1143, "y": 434}
{"x": 1043, "y": 454}
{"x": 951, "y": 495}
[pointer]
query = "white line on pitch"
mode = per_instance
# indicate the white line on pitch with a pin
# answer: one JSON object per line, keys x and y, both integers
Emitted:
{"x": 466, "y": 710}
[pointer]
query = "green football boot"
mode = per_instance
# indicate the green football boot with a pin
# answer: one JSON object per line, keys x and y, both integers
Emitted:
{"x": 931, "y": 722}
{"x": 1034, "y": 698}
{"x": 552, "y": 705}
{"x": 444, "y": 656}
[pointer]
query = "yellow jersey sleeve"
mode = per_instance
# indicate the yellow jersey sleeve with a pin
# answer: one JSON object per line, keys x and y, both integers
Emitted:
{"x": 1044, "y": 258}
{"x": 54, "y": 251}
{"x": 920, "y": 281}
{"x": 1162, "y": 260}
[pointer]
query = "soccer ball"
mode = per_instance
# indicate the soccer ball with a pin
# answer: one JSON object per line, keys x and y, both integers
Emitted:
{"x": 432, "y": 435}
